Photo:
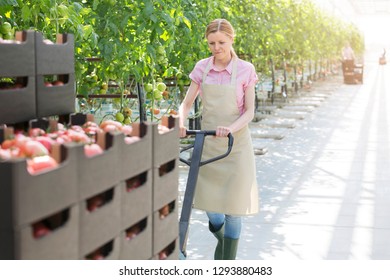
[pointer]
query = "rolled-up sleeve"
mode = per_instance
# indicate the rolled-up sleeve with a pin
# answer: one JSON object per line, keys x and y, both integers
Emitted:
{"x": 197, "y": 73}
{"x": 252, "y": 76}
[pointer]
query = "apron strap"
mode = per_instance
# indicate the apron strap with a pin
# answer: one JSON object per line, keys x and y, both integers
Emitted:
{"x": 206, "y": 71}
{"x": 234, "y": 72}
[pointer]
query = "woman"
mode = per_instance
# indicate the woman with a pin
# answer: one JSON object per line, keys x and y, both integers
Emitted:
{"x": 347, "y": 52}
{"x": 348, "y": 58}
{"x": 227, "y": 188}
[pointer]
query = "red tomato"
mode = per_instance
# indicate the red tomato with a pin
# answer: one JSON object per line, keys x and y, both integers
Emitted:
{"x": 79, "y": 137}
{"x": 5, "y": 154}
{"x": 17, "y": 86}
{"x": 110, "y": 128}
{"x": 60, "y": 126}
{"x": 91, "y": 150}
{"x": 95, "y": 202}
{"x": 162, "y": 255}
{"x": 172, "y": 112}
{"x": 132, "y": 184}
{"x": 8, "y": 143}
{"x": 33, "y": 148}
{"x": 91, "y": 128}
{"x": 97, "y": 256}
{"x": 77, "y": 128}
{"x": 117, "y": 124}
{"x": 164, "y": 211}
{"x": 40, "y": 164}
{"x": 133, "y": 232}
{"x": 127, "y": 129}
{"x": 40, "y": 230}
{"x": 58, "y": 83}
{"x": 63, "y": 139}
{"x": 20, "y": 141}
{"x": 155, "y": 111}
{"x": 131, "y": 139}
{"x": 45, "y": 141}
{"x": 90, "y": 123}
{"x": 33, "y": 132}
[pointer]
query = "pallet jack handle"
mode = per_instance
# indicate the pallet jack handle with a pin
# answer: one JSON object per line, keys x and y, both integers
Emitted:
{"x": 195, "y": 163}
{"x": 200, "y": 136}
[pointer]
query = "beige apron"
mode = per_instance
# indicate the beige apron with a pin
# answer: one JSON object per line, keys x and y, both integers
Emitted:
{"x": 228, "y": 185}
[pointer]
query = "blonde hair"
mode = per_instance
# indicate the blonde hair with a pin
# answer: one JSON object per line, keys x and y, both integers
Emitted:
{"x": 224, "y": 26}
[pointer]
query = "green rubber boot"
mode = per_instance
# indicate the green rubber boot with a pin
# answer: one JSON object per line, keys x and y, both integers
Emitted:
{"x": 229, "y": 248}
{"x": 219, "y": 235}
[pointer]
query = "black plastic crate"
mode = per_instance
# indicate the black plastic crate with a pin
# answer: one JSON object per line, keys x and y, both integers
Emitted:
{"x": 18, "y": 59}
{"x": 25, "y": 197}
{"x": 56, "y": 58}
{"x": 55, "y": 100}
{"x": 18, "y": 104}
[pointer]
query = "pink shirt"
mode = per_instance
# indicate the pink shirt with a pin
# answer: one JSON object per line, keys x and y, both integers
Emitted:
{"x": 246, "y": 77}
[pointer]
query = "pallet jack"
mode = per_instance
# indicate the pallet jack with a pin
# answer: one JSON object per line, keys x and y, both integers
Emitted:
{"x": 195, "y": 162}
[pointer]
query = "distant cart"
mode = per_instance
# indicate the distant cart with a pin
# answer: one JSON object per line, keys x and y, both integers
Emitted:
{"x": 353, "y": 73}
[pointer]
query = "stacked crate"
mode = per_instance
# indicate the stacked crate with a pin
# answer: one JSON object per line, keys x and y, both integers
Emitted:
{"x": 121, "y": 177}
{"x": 100, "y": 200}
{"x": 29, "y": 204}
{"x": 132, "y": 229}
{"x": 126, "y": 224}
{"x": 55, "y": 60}
{"x": 101, "y": 207}
{"x": 18, "y": 104}
{"x": 165, "y": 189}
{"x": 135, "y": 166}
{"x": 29, "y": 60}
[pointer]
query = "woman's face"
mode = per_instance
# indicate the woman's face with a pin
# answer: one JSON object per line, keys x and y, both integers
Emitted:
{"x": 220, "y": 45}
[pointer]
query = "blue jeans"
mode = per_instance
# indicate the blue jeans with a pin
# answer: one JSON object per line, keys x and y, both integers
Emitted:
{"x": 232, "y": 224}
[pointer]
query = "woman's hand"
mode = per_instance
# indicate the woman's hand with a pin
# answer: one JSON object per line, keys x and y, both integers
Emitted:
{"x": 222, "y": 131}
{"x": 185, "y": 107}
{"x": 182, "y": 131}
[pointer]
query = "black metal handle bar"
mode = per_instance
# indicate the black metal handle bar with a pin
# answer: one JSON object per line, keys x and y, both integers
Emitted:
{"x": 206, "y": 133}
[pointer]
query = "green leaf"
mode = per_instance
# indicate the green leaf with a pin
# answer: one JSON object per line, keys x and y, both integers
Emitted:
{"x": 148, "y": 10}
{"x": 26, "y": 13}
{"x": 151, "y": 50}
{"x": 153, "y": 18}
{"x": 187, "y": 22}
{"x": 165, "y": 36}
{"x": 63, "y": 10}
{"x": 87, "y": 31}
{"x": 95, "y": 4}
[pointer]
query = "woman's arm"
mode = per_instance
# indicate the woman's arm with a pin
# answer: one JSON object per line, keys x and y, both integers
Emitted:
{"x": 245, "y": 118}
{"x": 186, "y": 105}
